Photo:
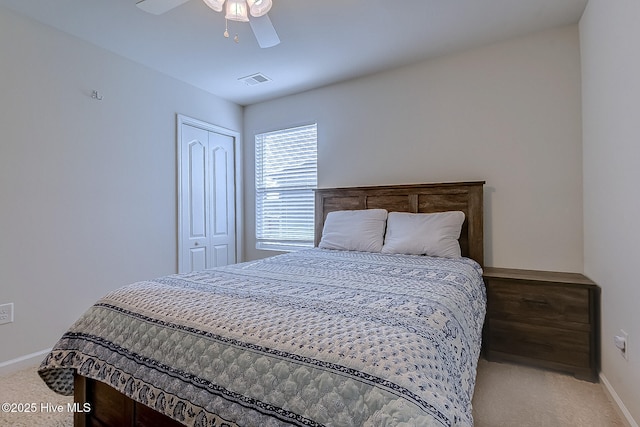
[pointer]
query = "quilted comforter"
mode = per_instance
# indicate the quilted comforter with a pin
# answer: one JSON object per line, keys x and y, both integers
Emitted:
{"x": 311, "y": 338}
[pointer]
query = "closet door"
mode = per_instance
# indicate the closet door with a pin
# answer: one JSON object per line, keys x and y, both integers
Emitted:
{"x": 223, "y": 224}
{"x": 206, "y": 207}
{"x": 195, "y": 200}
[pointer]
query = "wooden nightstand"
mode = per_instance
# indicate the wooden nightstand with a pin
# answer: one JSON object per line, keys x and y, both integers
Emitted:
{"x": 543, "y": 318}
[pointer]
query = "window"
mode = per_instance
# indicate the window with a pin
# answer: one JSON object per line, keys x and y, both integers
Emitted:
{"x": 286, "y": 174}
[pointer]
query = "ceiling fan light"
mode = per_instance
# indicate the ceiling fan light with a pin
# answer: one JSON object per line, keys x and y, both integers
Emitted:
{"x": 259, "y": 7}
{"x": 214, "y": 4}
{"x": 237, "y": 10}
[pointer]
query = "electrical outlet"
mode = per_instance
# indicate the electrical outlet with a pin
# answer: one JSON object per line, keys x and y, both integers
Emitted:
{"x": 622, "y": 343}
{"x": 6, "y": 313}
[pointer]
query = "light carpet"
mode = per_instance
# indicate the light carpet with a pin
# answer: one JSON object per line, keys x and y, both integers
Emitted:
{"x": 509, "y": 395}
{"x": 506, "y": 395}
{"x": 24, "y": 389}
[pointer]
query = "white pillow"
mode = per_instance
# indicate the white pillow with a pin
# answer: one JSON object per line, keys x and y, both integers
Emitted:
{"x": 355, "y": 230}
{"x": 434, "y": 234}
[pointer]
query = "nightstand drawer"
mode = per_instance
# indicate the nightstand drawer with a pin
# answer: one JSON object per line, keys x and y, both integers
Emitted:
{"x": 538, "y": 303}
{"x": 571, "y": 348}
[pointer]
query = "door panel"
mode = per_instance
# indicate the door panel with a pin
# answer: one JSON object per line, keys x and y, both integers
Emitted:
{"x": 220, "y": 205}
{"x": 198, "y": 258}
{"x": 222, "y": 148}
{"x": 221, "y": 254}
{"x": 197, "y": 195}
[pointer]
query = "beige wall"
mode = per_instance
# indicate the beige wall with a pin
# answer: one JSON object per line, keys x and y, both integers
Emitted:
{"x": 507, "y": 113}
{"x": 609, "y": 36}
{"x": 87, "y": 187}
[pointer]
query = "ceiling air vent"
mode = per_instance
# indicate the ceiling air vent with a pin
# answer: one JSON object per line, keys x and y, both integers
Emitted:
{"x": 254, "y": 79}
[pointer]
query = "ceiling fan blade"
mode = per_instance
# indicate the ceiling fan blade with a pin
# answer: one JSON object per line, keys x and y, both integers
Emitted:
{"x": 158, "y": 7}
{"x": 264, "y": 31}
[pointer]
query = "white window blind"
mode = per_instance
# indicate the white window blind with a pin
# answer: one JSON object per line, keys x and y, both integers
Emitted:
{"x": 286, "y": 174}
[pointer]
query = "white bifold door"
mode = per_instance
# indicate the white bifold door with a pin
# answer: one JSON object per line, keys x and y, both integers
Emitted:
{"x": 207, "y": 201}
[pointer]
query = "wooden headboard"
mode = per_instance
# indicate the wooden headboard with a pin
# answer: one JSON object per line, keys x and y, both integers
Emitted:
{"x": 414, "y": 198}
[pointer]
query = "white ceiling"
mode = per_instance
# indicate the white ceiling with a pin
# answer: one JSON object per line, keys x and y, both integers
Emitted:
{"x": 323, "y": 41}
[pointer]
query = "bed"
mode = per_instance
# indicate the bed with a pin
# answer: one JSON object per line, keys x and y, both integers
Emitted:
{"x": 319, "y": 337}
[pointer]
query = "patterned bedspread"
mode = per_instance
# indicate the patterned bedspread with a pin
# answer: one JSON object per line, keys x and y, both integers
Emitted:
{"x": 311, "y": 338}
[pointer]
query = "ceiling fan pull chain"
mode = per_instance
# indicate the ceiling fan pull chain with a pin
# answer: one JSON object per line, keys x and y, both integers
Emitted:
{"x": 226, "y": 32}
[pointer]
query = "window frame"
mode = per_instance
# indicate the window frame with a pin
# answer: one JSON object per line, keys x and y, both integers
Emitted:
{"x": 268, "y": 238}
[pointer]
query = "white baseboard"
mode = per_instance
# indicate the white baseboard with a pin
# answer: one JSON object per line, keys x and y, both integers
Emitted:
{"x": 622, "y": 409}
{"x": 23, "y": 362}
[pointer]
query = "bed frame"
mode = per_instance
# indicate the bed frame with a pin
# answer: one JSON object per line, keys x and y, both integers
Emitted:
{"x": 110, "y": 408}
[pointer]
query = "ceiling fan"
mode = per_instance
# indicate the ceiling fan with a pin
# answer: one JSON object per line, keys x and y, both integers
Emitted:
{"x": 236, "y": 10}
